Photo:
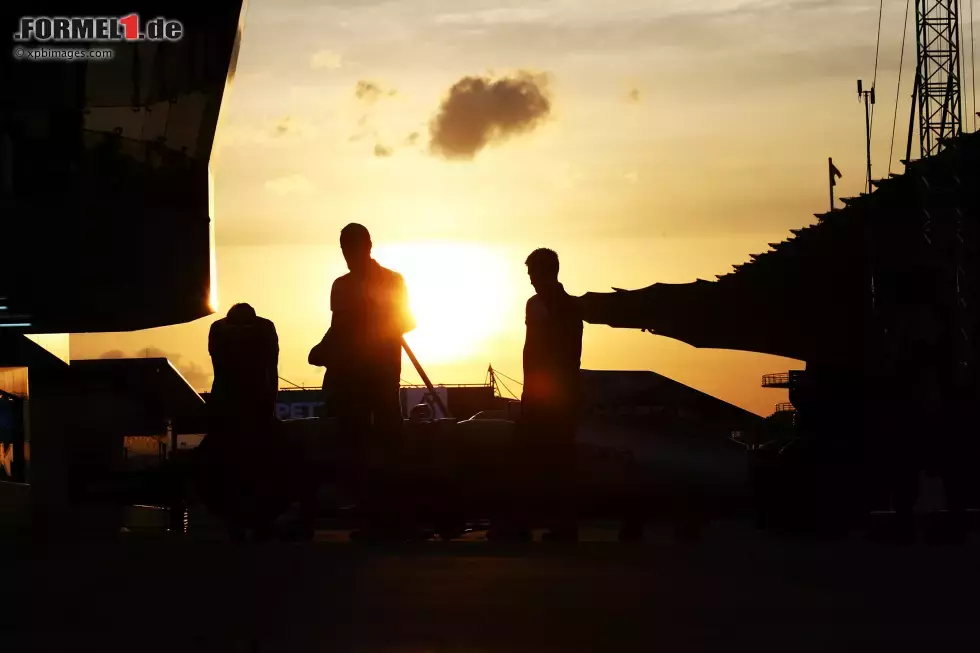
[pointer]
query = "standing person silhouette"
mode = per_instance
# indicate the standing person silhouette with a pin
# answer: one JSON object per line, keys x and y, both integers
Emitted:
{"x": 362, "y": 354}
{"x": 552, "y": 394}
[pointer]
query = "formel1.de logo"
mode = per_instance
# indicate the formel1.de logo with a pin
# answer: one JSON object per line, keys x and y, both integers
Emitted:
{"x": 101, "y": 29}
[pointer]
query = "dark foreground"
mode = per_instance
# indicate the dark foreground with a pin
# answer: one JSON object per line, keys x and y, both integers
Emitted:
{"x": 732, "y": 591}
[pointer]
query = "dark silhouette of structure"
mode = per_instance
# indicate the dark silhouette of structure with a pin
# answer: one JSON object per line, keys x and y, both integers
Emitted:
{"x": 104, "y": 172}
{"x": 107, "y": 219}
{"x": 854, "y": 295}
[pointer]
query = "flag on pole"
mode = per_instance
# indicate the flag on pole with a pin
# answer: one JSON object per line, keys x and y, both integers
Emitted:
{"x": 835, "y": 174}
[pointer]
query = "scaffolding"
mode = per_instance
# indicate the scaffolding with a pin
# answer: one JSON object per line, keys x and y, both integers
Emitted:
{"x": 946, "y": 225}
{"x": 938, "y": 73}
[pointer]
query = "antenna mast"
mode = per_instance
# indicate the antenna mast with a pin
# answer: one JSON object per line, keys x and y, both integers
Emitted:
{"x": 938, "y": 73}
{"x": 869, "y": 100}
{"x": 493, "y": 381}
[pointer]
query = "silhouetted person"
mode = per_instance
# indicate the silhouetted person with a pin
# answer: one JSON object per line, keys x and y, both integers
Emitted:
{"x": 362, "y": 354}
{"x": 244, "y": 351}
{"x": 552, "y": 393}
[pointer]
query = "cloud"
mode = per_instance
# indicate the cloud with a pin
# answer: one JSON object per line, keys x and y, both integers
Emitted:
{"x": 734, "y": 46}
{"x": 196, "y": 376}
{"x": 412, "y": 138}
{"x": 280, "y": 132}
{"x": 370, "y": 92}
{"x": 285, "y": 125}
{"x": 326, "y": 60}
{"x": 479, "y": 111}
{"x": 502, "y": 15}
{"x": 287, "y": 185}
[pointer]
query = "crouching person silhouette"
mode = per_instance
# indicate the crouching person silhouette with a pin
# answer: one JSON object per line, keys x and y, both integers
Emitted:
{"x": 250, "y": 471}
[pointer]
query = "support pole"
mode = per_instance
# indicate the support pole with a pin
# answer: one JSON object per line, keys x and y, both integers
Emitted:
{"x": 915, "y": 95}
{"x": 869, "y": 100}
{"x": 867, "y": 129}
{"x": 425, "y": 378}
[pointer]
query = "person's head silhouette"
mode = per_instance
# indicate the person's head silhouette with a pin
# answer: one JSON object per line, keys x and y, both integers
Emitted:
{"x": 542, "y": 268}
{"x": 355, "y": 242}
{"x": 241, "y": 313}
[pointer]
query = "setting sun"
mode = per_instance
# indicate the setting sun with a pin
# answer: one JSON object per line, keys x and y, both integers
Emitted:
{"x": 460, "y": 294}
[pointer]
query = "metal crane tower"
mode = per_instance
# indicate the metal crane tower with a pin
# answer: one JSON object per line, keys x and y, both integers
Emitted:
{"x": 938, "y": 73}
{"x": 948, "y": 224}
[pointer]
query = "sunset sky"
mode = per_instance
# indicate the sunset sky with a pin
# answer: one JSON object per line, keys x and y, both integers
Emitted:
{"x": 681, "y": 136}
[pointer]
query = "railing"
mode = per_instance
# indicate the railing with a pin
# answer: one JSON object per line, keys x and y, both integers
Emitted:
{"x": 776, "y": 380}
{"x": 785, "y": 407}
{"x": 782, "y": 380}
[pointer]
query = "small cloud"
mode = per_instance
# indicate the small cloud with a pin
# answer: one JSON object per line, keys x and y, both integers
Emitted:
{"x": 478, "y": 111}
{"x": 279, "y": 131}
{"x": 633, "y": 97}
{"x": 297, "y": 184}
{"x": 370, "y": 92}
{"x": 289, "y": 126}
{"x": 230, "y": 135}
{"x": 366, "y": 89}
{"x": 326, "y": 60}
{"x": 413, "y": 138}
{"x": 382, "y": 151}
{"x": 285, "y": 125}
{"x": 632, "y": 176}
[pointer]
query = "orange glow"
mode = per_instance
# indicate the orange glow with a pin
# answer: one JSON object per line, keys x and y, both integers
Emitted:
{"x": 213, "y": 290}
{"x": 459, "y": 293}
{"x": 213, "y": 298}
